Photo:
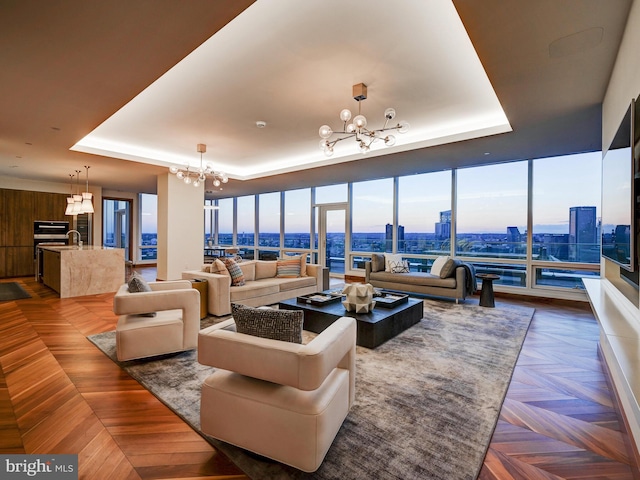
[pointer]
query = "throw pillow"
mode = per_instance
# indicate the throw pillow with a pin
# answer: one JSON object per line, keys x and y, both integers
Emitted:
{"x": 237, "y": 277}
{"x": 303, "y": 265}
{"x": 218, "y": 267}
{"x": 138, "y": 284}
{"x": 438, "y": 263}
{"x": 390, "y": 258}
{"x": 288, "y": 268}
{"x": 449, "y": 268}
{"x": 284, "y": 325}
{"x": 377, "y": 262}
{"x": 399, "y": 267}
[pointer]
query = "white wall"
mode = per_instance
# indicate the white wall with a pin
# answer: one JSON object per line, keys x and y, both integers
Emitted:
{"x": 180, "y": 227}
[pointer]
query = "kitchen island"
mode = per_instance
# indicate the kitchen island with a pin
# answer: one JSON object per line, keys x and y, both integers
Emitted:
{"x": 73, "y": 271}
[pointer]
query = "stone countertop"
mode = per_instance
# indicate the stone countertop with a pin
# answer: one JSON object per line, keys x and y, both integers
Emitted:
{"x": 62, "y": 248}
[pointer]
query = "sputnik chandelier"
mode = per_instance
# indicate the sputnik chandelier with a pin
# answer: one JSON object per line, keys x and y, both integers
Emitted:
{"x": 358, "y": 128}
{"x": 196, "y": 176}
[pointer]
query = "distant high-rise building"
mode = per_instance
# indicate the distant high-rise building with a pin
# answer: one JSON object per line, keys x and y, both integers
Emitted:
{"x": 583, "y": 235}
{"x": 388, "y": 236}
{"x": 443, "y": 227}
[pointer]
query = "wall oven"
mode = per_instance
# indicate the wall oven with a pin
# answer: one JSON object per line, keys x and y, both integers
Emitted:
{"x": 48, "y": 232}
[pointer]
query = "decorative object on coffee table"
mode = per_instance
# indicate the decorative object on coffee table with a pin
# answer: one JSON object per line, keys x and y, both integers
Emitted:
{"x": 359, "y": 297}
{"x": 387, "y": 299}
{"x": 486, "y": 294}
{"x": 322, "y": 298}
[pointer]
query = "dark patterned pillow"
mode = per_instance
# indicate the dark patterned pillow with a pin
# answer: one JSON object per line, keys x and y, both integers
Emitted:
{"x": 237, "y": 277}
{"x": 449, "y": 268}
{"x": 138, "y": 284}
{"x": 284, "y": 325}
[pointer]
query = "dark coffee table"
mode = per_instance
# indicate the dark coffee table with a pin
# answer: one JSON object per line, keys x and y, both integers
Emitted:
{"x": 373, "y": 328}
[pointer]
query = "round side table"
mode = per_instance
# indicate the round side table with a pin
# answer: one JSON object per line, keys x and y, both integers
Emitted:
{"x": 486, "y": 294}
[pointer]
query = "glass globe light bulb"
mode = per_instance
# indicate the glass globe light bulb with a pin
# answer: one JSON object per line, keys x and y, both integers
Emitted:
{"x": 173, "y": 169}
{"x": 351, "y": 128}
{"x": 323, "y": 144}
{"x": 345, "y": 115}
{"x": 216, "y": 183}
{"x": 180, "y": 175}
{"x": 325, "y": 131}
{"x": 328, "y": 151}
{"x": 196, "y": 183}
{"x": 390, "y": 113}
{"x": 403, "y": 127}
{"x": 389, "y": 140}
{"x": 360, "y": 121}
{"x": 187, "y": 180}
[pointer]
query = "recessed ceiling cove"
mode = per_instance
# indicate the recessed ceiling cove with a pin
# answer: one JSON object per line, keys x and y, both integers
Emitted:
{"x": 293, "y": 66}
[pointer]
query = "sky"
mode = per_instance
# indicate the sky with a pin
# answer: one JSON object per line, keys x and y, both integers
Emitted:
{"x": 490, "y": 199}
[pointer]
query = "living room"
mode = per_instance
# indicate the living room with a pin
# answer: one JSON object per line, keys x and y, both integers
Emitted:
{"x": 551, "y": 131}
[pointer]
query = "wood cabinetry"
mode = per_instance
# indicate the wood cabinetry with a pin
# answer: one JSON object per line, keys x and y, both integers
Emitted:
{"x": 51, "y": 269}
{"x": 18, "y": 210}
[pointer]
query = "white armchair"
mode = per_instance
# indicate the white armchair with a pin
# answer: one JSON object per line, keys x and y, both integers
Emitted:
{"x": 173, "y": 328}
{"x": 285, "y": 401}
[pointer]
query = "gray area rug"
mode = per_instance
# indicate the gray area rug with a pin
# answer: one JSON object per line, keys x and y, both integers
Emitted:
{"x": 12, "y": 291}
{"x": 427, "y": 401}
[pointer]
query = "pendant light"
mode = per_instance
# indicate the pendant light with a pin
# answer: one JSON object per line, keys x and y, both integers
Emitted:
{"x": 77, "y": 198}
{"x": 87, "y": 202}
{"x": 69, "y": 210}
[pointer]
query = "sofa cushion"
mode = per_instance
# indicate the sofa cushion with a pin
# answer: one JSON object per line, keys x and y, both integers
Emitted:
{"x": 377, "y": 262}
{"x": 414, "y": 278}
{"x": 237, "y": 277}
{"x": 248, "y": 270}
{"x": 449, "y": 268}
{"x": 265, "y": 269}
{"x": 438, "y": 263}
{"x": 284, "y": 325}
{"x": 303, "y": 264}
{"x": 399, "y": 267}
{"x": 391, "y": 258}
{"x": 255, "y": 289}
{"x": 288, "y": 267}
{"x": 287, "y": 284}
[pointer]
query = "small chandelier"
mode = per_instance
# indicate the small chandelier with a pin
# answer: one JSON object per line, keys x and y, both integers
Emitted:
{"x": 358, "y": 128}
{"x": 196, "y": 176}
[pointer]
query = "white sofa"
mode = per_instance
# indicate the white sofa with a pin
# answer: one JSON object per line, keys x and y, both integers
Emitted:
{"x": 262, "y": 286}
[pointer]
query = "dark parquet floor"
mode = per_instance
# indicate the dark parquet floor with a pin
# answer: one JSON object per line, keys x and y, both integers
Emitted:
{"x": 60, "y": 394}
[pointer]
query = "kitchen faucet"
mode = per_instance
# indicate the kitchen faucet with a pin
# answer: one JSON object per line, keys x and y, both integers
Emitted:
{"x": 78, "y": 239}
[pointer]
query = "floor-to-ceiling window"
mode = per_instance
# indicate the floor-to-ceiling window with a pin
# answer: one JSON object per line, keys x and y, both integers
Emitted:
{"x": 148, "y": 248}
{"x": 491, "y": 219}
{"x": 424, "y": 217}
{"x": 268, "y": 225}
{"x": 372, "y": 216}
{"x": 531, "y": 222}
{"x": 116, "y": 224}
{"x": 225, "y": 221}
{"x": 246, "y": 221}
{"x": 566, "y": 212}
{"x": 297, "y": 220}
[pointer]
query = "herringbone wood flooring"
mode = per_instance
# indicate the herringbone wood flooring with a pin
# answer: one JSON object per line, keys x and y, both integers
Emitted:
{"x": 60, "y": 394}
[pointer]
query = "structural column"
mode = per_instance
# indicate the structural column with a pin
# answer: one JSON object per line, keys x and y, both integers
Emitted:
{"x": 180, "y": 227}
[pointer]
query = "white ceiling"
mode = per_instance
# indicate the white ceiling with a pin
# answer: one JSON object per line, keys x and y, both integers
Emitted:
{"x": 294, "y": 69}
{"x": 68, "y": 68}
